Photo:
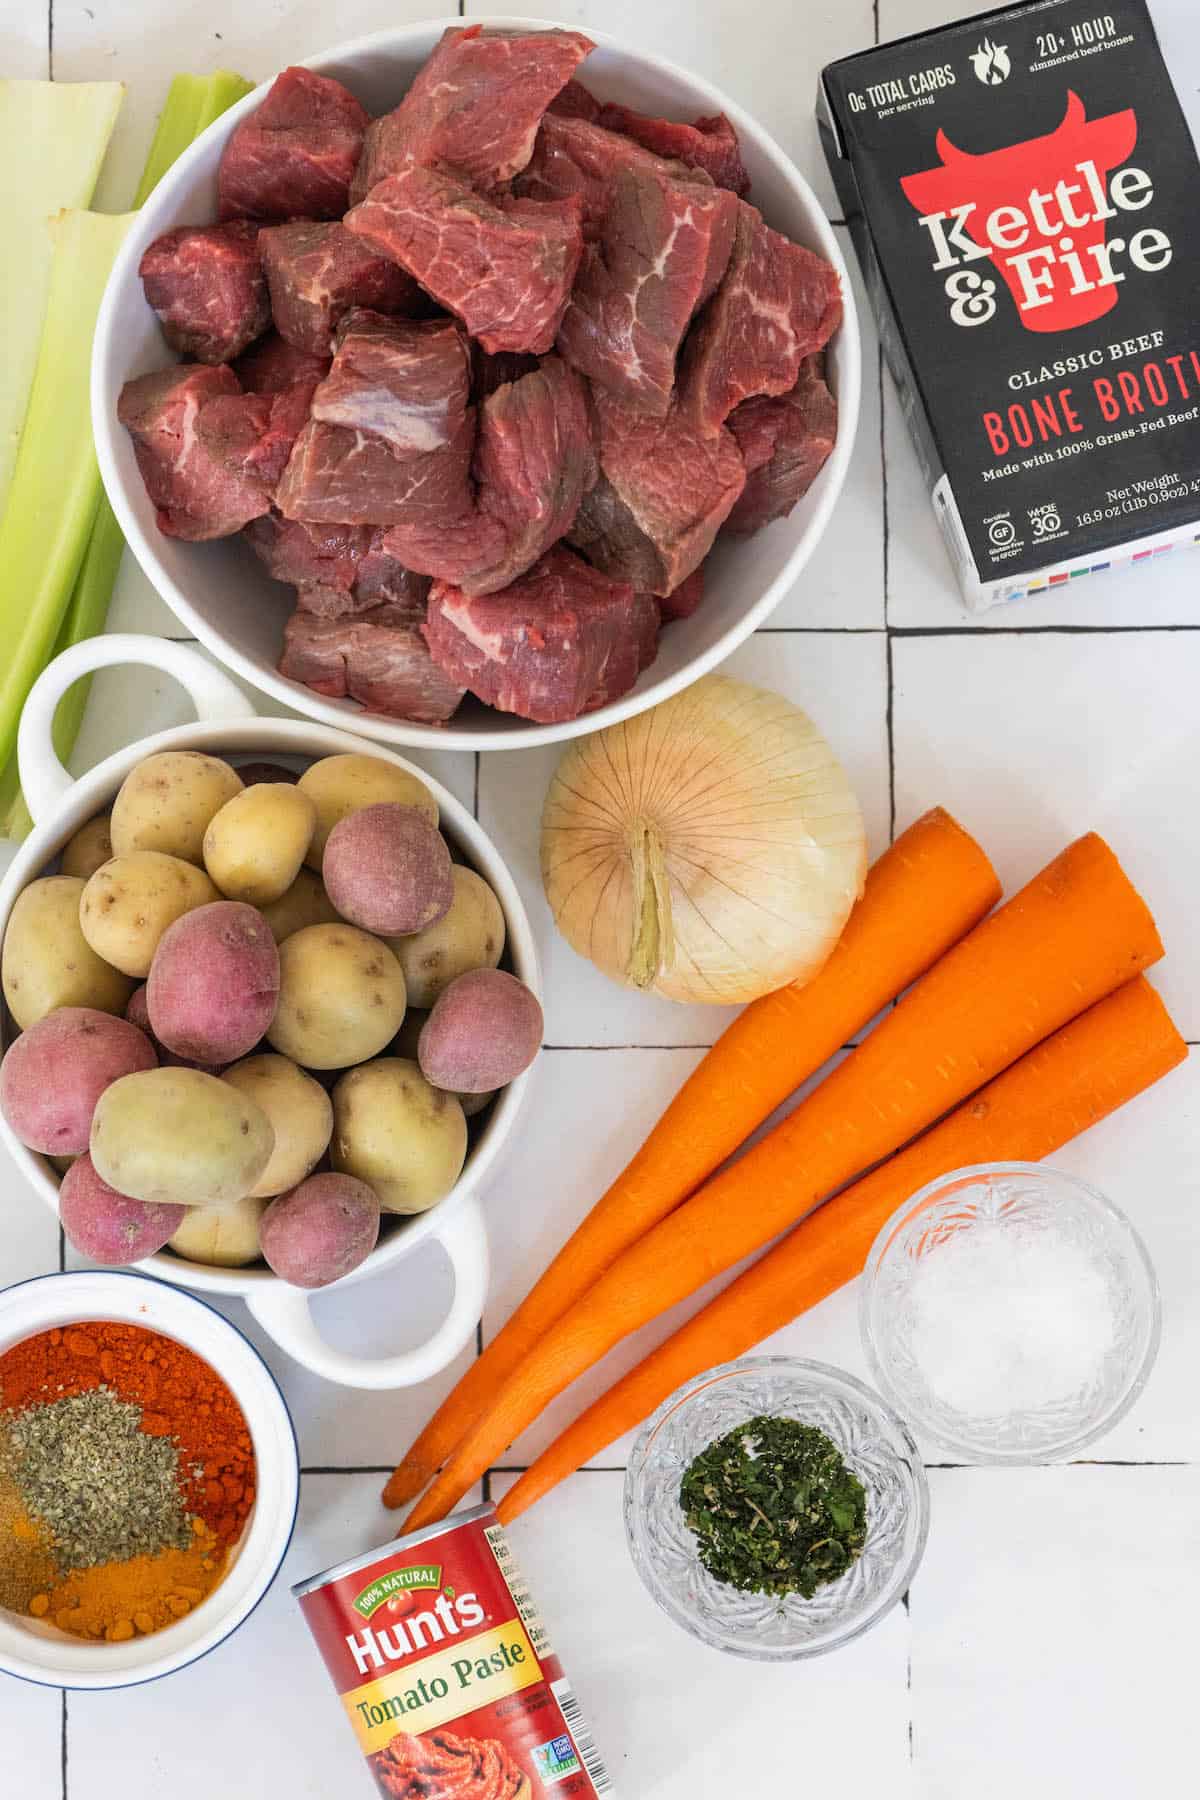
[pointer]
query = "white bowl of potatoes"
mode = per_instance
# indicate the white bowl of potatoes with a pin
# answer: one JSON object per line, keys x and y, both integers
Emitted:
{"x": 292, "y": 1079}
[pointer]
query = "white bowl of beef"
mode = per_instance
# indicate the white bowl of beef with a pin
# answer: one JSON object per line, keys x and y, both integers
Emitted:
{"x": 615, "y": 436}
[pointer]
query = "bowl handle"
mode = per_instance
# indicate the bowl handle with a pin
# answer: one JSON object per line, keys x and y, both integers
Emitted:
{"x": 43, "y": 778}
{"x": 284, "y": 1313}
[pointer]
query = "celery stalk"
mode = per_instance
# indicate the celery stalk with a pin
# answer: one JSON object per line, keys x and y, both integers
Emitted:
{"x": 56, "y": 484}
{"x": 53, "y": 135}
{"x": 193, "y": 102}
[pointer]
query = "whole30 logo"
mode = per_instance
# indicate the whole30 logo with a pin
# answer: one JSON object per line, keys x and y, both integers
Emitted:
{"x": 1039, "y": 212}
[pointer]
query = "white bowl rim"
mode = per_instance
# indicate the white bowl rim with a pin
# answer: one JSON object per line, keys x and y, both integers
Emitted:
{"x": 260, "y": 1587}
{"x": 149, "y": 223}
{"x": 978, "y": 1455}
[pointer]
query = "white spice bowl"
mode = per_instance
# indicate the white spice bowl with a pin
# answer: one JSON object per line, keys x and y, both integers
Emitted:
{"x": 1040, "y": 1207}
{"x": 36, "y": 1650}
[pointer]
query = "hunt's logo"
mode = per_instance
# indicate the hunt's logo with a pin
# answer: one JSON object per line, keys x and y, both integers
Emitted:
{"x": 1039, "y": 212}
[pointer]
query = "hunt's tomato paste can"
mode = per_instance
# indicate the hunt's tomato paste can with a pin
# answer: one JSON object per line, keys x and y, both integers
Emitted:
{"x": 445, "y": 1671}
{"x": 1021, "y": 188}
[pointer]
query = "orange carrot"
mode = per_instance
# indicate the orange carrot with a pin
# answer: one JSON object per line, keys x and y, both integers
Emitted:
{"x": 1113, "y": 1052}
{"x": 922, "y": 895}
{"x": 1076, "y": 932}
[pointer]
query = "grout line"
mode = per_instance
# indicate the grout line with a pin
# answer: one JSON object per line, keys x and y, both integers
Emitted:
{"x": 348, "y": 1469}
{"x": 1086, "y": 1462}
{"x": 996, "y": 631}
{"x": 890, "y": 734}
{"x": 818, "y": 630}
{"x": 62, "y": 1744}
{"x": 572, "y": 1048}
{"x": 475, "y": 797}
{"x": 50, "y": 39}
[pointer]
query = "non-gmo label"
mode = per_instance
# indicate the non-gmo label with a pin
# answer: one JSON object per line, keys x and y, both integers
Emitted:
{"x": 556, "y": 1760}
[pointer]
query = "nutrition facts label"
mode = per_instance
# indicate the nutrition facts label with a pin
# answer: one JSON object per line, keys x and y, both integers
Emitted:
{"x": 528, "y": 1613}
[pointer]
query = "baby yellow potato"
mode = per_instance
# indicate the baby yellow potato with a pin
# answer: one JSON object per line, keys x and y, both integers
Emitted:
{"x": 341, "y": 997}
{"x": 301, "y": 1116}
{"x": 130, "y": 901}
{"x": 254, "y": 846}
{"x": 180, "y": 1137}
{"x": 469, "y": 936}
{"x": 340, "y": 785}
{"x": 166, "y": 802}
{"x": 404, "y": 1138}
{"x": 224, "y": 1239}
{"x": 91, "y": 846}
{"x": 305, "y": 903}
{"x": 48, "y": 961}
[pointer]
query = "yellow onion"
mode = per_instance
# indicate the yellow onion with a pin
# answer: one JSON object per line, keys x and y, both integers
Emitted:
{"x": 709, "y": 849}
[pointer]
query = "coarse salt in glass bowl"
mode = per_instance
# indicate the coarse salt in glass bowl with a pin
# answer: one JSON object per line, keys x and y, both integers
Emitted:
{"x": 877, "y": 1448}
{"x": 1029, "y": 1373}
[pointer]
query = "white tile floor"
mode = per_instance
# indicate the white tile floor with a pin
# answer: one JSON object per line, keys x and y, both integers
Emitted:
{"x": 1048, "y": 1644}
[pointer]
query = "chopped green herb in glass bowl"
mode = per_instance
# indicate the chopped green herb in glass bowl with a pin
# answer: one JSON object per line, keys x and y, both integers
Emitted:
{"x": 775, "y": 1508}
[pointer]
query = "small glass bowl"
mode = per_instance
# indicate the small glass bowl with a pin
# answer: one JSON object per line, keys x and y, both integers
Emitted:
{"x": 993, "y": 1196}
{"x": 876, "y": 1446}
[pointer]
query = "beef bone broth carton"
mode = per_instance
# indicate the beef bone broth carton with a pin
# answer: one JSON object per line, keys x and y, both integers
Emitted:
{"x": 1022, "y": 190}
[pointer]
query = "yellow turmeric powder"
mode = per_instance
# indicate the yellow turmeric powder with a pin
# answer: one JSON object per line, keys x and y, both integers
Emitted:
{"x": 27, "y": 1561}
{"x": 120, "y": 1600}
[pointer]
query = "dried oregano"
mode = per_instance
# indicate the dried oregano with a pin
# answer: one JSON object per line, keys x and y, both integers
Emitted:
{"x": 774, "y": 1508}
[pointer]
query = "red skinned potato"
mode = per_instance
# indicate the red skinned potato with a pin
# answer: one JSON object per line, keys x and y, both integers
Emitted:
{"x": 55, "y": 1072}
{"x": 109, "y": 1227}
{"x": 138, "y": 1013}
{"x": 214, "y": 983}
{"x": 483, "y": 1031}
{"x": 387, "y": 869}
{"x": 321, "y": 1230}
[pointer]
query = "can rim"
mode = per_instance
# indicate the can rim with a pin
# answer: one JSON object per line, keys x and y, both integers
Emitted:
{"x": 396, "y": 1545}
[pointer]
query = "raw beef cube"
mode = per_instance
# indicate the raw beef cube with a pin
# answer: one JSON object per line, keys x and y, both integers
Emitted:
{"x": 252, "y": 434}
{"x": 407, "y": 381}
{"x": 324, "y": 558}
{"x": 661, "y": 253}
{"x": 316, "y": 272}
{"x": 272, "y": 364}
{"x": 506, "y": 271}
{"x": 491, "y": 372}
{"x": 207, "y": 287}
{"x": 475, "y": 107}
{"x": 547, "y": 647}
{"x": 575, "y": 160}
{"x": 575, "y": 102}
{"x": 631, "y": 653}
{"x": 777, "y": 304}
{"x": 294, "y": 156}
{"x": 336, "y": 569}
{"x": 379, "y": 659}
{"x": 682, "y": 601}
{"x": 665, "y": 489}
{"x": 710, "y": 144}
{"x": 534, "y": 461}
{"x": 341, "y": 477}
{"x": 383, "y": 580}
{"x": 785, "y": 441}
{"x": 196, "y": 496}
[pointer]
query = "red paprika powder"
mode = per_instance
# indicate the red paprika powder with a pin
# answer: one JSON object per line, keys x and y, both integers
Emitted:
{"x": 180, "y": 1395}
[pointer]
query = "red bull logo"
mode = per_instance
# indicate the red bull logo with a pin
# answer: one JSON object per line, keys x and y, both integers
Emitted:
{"x": 1040, "y": 213}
